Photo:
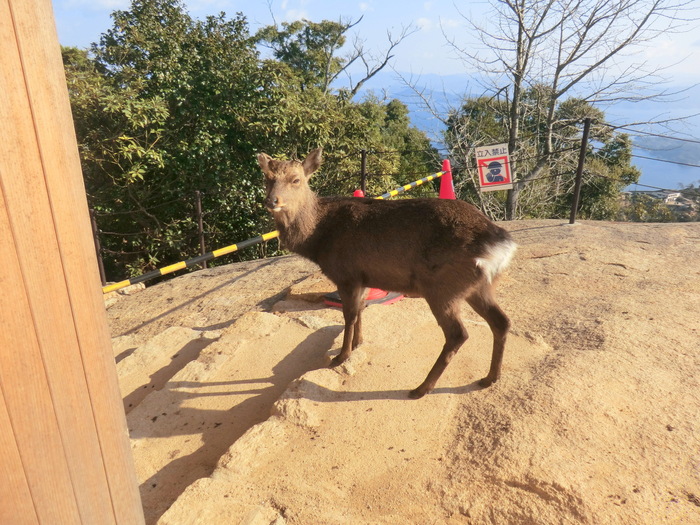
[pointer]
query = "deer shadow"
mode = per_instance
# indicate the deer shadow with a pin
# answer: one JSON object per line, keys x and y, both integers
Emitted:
{"x": 321, "y": 394}
{"x": 219, "y": 429}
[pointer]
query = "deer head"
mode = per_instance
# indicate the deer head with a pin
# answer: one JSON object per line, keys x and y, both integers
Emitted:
{"x": 287, "y": 182}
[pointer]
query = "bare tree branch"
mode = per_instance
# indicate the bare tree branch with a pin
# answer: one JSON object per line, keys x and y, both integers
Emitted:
{"x": 571, "y": 47}
{"x": 374, "y": 65}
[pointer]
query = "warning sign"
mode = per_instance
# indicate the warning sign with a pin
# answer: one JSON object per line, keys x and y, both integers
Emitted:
{"x": 493, "y": 164}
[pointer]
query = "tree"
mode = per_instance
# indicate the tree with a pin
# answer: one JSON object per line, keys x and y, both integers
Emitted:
{"x": 572, "y": 49}
{"x": 644, "y": 208}
{"x": 397, "y": 153}
{"x": 549, "y": 145}
{"x": 312, "y": 50}
{"x": 309, "y": 49}
{"x": 310, "y": 111}
{"x": 166, "y": 105}
{"x": 163, "y": 107}
{"x": 300, "y": 119}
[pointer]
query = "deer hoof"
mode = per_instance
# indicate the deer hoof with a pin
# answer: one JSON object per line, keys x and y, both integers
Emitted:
{"x": 417, "y": 393}
{"x": 337, "y": 361}
{"x": 486, "y": 382}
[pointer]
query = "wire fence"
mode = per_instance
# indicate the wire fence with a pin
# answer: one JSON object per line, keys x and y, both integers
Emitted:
{"x": 197, "y": 213}
{"x": 204, "y": 257}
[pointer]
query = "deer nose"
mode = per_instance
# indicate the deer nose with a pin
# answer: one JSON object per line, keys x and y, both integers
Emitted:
{"x": 274, "y": 203}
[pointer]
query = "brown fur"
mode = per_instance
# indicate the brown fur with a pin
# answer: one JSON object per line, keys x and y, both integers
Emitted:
{"x": 421, "y": 247}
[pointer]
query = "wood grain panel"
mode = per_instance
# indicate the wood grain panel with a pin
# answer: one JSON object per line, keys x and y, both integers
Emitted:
{"x": 46, "y": 88}
{"x": 31, "y": 418}
{"x": 68, "y": 447}
{"x": 16, "y": 501}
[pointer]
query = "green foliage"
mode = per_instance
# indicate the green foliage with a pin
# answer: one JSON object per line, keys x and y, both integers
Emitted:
{"x": 162, "y": 106}
{"x": 644, "y": 208}
{"x": 608, "y": 172}
{"x": 309, "y": 49}
{"x": 166, "y": 105}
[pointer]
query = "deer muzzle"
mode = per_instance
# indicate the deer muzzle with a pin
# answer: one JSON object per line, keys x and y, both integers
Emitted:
{"x": 275, "y": 204}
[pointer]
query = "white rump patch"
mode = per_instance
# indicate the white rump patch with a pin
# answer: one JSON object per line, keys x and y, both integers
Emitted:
{"x": 497, "y": 258}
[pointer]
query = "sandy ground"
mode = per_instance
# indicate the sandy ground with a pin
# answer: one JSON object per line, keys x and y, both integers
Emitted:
{"x": 234, "y": 417}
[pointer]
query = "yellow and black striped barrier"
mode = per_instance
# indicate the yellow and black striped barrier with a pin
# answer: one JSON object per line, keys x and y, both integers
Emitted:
{"x": 394, "y": 193}
{"x": 190, "y": 262}
{"x": 239, "y": 246}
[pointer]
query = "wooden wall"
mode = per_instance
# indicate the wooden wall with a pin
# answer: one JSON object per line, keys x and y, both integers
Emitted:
{"x": 64, "y": 450}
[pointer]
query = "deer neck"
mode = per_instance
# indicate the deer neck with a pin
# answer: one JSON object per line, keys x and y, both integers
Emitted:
{"x": 296, "y": 228}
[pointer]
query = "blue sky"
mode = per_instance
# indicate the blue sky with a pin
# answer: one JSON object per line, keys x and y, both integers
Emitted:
{"x": 424, "y": 55}
{"x": 81, "y": 22}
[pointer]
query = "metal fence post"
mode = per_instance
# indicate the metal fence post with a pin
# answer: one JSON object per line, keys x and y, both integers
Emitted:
{"x": 579, "y": 170}
{"x": 363, "y": 172}
{"x": 98, "y": 247}
{"x": 200, "y": 225}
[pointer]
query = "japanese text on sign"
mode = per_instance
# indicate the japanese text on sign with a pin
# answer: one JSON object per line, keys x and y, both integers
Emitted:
{"x": 492, "y": 151}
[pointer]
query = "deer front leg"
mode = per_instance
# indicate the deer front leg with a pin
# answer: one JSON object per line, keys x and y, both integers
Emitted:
{"x": 357, "y": 330}
{"x": 353, "y": 303}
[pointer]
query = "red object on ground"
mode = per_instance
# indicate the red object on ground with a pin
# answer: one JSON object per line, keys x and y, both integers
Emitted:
{"x": 374, "y": 296}
{"x": 447, "y": 188}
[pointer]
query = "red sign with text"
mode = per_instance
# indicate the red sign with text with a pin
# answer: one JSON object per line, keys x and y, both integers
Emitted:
{"x": 493, "y": 163}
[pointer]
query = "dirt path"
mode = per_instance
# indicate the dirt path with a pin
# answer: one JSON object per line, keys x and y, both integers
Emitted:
{"x": 596, "y": 419}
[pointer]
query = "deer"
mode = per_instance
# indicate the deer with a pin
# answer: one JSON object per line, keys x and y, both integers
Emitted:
{"x": 446, "y": 251}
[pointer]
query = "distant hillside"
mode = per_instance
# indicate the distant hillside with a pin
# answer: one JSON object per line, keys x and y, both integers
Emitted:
{"x": 446, "y": 91}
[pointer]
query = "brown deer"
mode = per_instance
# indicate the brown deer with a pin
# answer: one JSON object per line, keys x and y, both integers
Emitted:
{"x": 445, "y": 251}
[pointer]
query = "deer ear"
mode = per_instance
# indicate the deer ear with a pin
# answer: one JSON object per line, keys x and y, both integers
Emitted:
{"x": 264, "y": 161}
{"x": 312, "y": 161}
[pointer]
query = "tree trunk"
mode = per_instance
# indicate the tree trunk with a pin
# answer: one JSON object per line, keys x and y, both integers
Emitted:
{"x": 512, "y": 202}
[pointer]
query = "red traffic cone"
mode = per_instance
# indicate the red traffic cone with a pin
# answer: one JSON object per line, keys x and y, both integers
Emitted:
{"x": 374, "y": 295}
{"x": 447, "y": 188}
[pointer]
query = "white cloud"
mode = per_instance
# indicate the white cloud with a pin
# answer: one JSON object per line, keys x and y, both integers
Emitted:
{"x": 425, "y": 24}
{"x": 295, "y": 14}
{"x": 450, "y": 22}
{"x": 679, "y": 53}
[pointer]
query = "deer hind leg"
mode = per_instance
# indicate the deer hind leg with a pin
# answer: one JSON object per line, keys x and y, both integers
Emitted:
{"x": 353, "y": 299}
{"x": 447, "y": 316}
{"x": 484, "y": 304}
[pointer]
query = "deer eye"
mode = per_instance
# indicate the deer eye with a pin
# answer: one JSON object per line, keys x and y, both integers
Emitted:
{"x": 296, "y": 181}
